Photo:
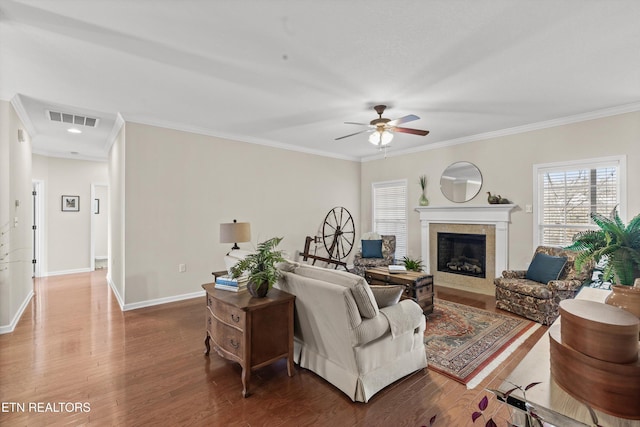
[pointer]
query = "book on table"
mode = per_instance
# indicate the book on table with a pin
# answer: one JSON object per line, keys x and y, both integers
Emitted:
{"x": 229, "y": 283}
{"x": 397, "y": 269}
{"x": 230, "y": 288}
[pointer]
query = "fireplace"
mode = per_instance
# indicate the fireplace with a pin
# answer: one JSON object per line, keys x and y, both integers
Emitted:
{"x": 492, "y": 221}
{"x": 465, "y": 254}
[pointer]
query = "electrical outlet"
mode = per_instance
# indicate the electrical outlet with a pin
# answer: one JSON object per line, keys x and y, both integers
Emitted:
{"x": 528, "y": 208}
{"x": 182, "y": 268}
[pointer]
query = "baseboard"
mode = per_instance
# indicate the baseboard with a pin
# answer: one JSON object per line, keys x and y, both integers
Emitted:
{"x": 63, "y": 272}
{"x": 14, "y": 322}
{"x": 115, "y": 291}
{"x": 151, "y": 302}
{"x": 165, "y": 300}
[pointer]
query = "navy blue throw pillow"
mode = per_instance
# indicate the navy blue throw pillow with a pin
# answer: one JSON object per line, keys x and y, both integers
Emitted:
{"x": 545, "y": 268}
{"x": 372, "y": 249}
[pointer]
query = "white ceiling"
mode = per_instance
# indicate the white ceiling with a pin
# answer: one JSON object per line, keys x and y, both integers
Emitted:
{"x": 290, "y": 73}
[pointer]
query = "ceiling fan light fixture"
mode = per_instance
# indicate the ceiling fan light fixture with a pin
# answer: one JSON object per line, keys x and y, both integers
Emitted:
{"x": 382, "y": 128}
{"x": 380, "y": 138}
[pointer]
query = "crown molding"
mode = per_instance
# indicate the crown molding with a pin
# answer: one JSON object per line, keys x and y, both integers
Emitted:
{"x": 598, "y": 114}
{"x": 114, "y": 133}
{"x": 16, "y": 102}
{"x": 232, "y": 137}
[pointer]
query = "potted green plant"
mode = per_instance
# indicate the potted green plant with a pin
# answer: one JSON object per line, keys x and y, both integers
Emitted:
{"x": 412, "y": 264}
{"x": 618, "y": 244}
{"x": 423, "y": 197}
{"x": 260, "y": 267}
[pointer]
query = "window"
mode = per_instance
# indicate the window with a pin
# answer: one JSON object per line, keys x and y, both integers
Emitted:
{"x": 390, "y": 212}
{"x": 568, "y": 193}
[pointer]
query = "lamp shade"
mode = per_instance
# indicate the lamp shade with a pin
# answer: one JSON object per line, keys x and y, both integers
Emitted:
{"x": 233, "y": 232}
{"x": 380, "y": 138}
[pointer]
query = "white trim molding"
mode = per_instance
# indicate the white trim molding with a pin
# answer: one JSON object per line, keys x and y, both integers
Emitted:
{"x": 496, "y": 215}
{"x": 159, "y": 301}
{"x": 14, "y": 322}
{"x": 18, "y": 106}
{"x": 151, "y": 302}
{"x": 115, "y": 291}
{"x": 63, "y": 272}
{"x": 115, "y": 130}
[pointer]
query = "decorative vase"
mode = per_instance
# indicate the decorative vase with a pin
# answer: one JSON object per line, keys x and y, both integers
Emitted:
{"x": 423, "y": 200}
{"x": 258, "y": 290}
{"x": 626, "y": 298}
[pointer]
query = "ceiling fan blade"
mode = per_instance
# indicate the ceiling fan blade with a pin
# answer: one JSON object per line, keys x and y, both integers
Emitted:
{"x": 352, "y": 134}
{"x": 354, "y": 123}
{"x": 401, "y": 120}
{"x": 411, "y": 131}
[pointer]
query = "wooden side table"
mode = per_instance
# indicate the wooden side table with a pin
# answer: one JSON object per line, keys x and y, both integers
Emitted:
{"x": 251, "y": 331}
{"x": 549, "y": 400}
{"x": 418, "y": 285}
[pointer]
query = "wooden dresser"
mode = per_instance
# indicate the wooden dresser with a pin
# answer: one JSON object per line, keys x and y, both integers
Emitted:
{"x": 251, "y": 331}
{"x": 418, "y": 285}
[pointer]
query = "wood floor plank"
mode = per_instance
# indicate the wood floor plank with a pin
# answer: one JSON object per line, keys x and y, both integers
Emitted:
{"x": 147, "y": 367}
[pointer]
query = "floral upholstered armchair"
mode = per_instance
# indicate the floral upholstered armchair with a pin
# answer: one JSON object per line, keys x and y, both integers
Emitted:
{"x": 362, "y": 260}
{"x": 536, "y": 293}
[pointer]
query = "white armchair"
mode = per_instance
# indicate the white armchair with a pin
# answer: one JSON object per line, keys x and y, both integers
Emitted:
{"x": 358, "y": 341}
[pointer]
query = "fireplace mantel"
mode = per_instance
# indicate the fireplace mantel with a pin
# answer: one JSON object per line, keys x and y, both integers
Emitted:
{"x": 496, "y": 215}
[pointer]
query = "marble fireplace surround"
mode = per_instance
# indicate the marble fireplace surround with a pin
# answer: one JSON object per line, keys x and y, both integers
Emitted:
{"x": 490, "y": 220}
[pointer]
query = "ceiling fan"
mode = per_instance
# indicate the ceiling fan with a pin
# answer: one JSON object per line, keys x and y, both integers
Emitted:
{"x": 382, "y": 128}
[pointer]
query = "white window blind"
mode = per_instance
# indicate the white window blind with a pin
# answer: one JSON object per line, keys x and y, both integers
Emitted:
{"x": 569, "y": 193}
{"x": 390, "y": 212}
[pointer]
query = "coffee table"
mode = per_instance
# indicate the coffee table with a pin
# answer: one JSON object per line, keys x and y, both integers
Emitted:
{"x": 550, "y": 401}
{"x": 418, "y": 285}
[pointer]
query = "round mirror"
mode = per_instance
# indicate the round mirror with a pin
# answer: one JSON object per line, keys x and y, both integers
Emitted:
{"x": 461, "y": 182}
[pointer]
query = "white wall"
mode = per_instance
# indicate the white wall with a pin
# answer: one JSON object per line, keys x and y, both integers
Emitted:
{"x": 506, "y": 164}
{"x": 68, "y": 234}
{"x": 16, "y": 286}
{"x": 180, "y": 186}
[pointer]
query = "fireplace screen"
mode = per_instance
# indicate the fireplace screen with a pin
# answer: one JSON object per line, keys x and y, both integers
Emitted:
{"x": 462, "y": 254}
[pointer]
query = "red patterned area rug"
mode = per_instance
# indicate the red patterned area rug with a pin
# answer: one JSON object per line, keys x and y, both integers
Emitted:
{"x": 466, "y": 343}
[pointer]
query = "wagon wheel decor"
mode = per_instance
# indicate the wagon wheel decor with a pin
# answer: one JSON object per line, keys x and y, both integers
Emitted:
{"x": 338, "y": 233}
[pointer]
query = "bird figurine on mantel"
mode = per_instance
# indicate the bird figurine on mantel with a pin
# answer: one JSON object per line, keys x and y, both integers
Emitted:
{"x": 496, "y": 200}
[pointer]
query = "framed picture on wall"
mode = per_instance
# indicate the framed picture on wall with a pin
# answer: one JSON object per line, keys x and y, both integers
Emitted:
{"x": 96, "y": 206}
{"x": 70, "y": 203}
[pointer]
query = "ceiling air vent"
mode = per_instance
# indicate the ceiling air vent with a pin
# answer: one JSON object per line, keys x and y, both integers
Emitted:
{"x": 56, "y": 116}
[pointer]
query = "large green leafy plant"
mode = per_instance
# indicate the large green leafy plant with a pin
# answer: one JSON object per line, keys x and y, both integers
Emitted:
{"x": 614, "y": 242}
{"x": 260, "y": 265}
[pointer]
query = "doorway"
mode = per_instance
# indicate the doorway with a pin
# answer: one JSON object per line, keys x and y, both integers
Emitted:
{"x": 99, "y": 226}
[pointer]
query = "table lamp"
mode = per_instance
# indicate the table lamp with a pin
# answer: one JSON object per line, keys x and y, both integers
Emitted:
{"x": 234, "y": 232}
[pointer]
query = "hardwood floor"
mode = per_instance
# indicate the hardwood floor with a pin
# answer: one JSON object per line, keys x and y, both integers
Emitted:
{"x": 147, "y": 367}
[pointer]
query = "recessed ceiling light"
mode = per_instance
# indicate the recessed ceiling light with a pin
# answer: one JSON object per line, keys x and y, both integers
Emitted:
{"x": 74, "y": 130}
